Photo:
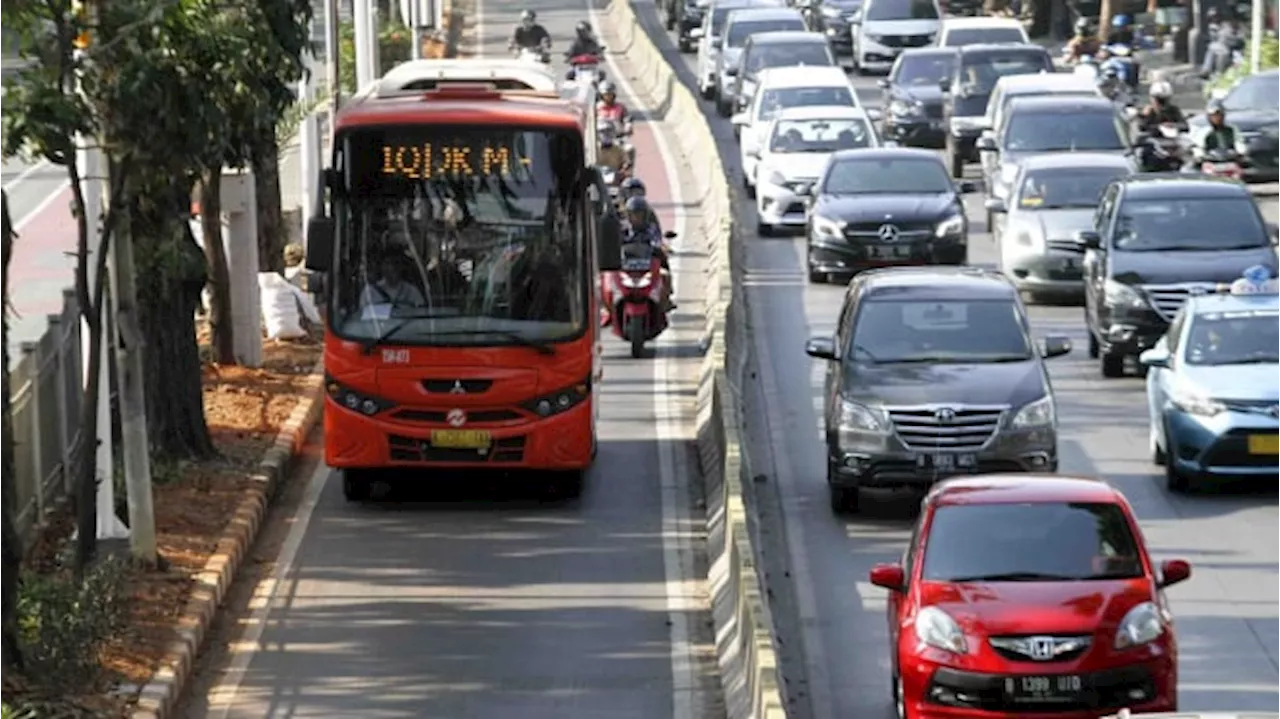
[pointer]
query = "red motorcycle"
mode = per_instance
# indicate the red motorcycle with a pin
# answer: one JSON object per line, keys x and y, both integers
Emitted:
{"x": 634, "y": 294}
{"x": 1222, "y": 163}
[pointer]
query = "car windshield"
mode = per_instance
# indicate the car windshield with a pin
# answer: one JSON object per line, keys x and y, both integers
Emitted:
{"x": 1060, "y": 187}
{"x": 740, "y": 31}
{"x": 1256, "y": 92}
{"x": 887, "y": 176}
{"x": 1230, "y": 338}
{"x": 939, "y": 331}
{"x": 782, "y": 98}
{"x": 979, "y": 73}
{"x": 1190, "y": 223}
{"x": 978, "y": 35}
{"x": 923, "y": 69}
{"x": 901, "y": 10}
{"x": 718, "y": 18}
{"x": 788, "y": 55}
{"x": 1063, "y": 132}
{"x": 456, "y": 235}
{"x": 1028, "y": 542}
{"x": 821, "y": 135}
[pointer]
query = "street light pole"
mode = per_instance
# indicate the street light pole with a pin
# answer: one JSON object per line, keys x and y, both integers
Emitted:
{"x": 1256, "y": 19}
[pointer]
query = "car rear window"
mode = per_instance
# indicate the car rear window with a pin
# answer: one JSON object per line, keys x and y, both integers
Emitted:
{"x": 740, "y": 31}
{"x": 788, "y": 55}
{"x": 976, "y": 35}
{"x": 777, "y": 100}
{"x": 1038, "y": 541}
{"x": 979, "y": 72}
{"x": 923, "y": 69}
{"x": 1063, "y": 131}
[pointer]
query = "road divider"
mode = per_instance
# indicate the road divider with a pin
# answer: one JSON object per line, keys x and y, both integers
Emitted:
{"x": 745, "y": 639}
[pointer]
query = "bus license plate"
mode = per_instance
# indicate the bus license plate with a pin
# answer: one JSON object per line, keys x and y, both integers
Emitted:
{"x": 1264, "y": 444}
{"x": 460, "y": 439}
{"x": 1049, "y": 689}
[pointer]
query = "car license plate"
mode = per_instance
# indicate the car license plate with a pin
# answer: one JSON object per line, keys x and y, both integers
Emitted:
{"x": 947, "y": 462}
{"x": 889, "y": 252}
{"x": 1264, "y": 444}
{"x": 1048, "y": 689}
{"x": 460, "y": 439}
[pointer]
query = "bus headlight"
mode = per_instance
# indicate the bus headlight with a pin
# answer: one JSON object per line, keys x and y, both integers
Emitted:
{"x": 561, "y": 400}
{"x": 355, "y": 401}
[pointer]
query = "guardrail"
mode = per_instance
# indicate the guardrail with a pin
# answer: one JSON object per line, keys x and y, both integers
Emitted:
{"x": 744, "y": 627}
{"x": 45, "y": 386}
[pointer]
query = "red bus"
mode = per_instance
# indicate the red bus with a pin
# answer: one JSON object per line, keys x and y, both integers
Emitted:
{"x": 460, "y": 248}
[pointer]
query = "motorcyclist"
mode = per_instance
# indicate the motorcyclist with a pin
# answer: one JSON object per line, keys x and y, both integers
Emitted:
{"x": 584, "y": 42}
{"x": 1084, "y": 44}
{"x": 609, "y": 109}
{"x": 634, "y": 187}
{"x": 1161, "y": 110}
{"x": 1110, "y": 84}
{"x": 1220, "y": 136}
{"x": 529, "y": 35}
{"x": 641, "y": 229}
{"x": 1121, "y": 31}
{"x": 609, "y": 153}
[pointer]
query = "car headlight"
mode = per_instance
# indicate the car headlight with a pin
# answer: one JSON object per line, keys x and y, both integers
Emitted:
{"x": 1027, "y": 237}
{"x": 859, "y": 417}
{"x": 1191, "y": 402}
{"x": 775, "y": 178}
{"x": 902, "y": 108}
{"x": 1040, "y": 413}
{"x": 874, "y": 38}
{"x": 1144, "y": 623}
{"x": 950, "y": 226}
{"x": 1117, "y": 294}
{"x": 824, "y": 227}
{"x": 937, "y": 629}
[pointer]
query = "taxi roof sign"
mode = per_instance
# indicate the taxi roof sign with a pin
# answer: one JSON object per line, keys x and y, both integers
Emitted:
{"x": 1254, "y": 281}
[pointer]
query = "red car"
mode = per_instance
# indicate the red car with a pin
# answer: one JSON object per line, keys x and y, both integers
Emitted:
{"x": 1029, "y": 596}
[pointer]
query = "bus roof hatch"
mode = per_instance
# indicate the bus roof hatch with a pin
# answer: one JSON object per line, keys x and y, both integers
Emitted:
{"x": 412, "y": 78}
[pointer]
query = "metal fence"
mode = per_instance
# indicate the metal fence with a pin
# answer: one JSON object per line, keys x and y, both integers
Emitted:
{"x": 46, "y": 393}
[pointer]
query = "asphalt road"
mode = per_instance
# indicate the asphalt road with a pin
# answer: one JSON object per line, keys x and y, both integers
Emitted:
{"x": 1226, "y": 614}
{"x": 482, "y": 602}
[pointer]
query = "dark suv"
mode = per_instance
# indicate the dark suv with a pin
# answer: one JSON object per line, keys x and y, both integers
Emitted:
{"x": 965, "y": 93}
{"x": 932, "y": 373}
{"x": 683, "y": 17}
{"x": 1156, "y": 239}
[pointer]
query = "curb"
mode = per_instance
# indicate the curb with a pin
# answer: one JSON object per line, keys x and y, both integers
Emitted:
{"x": 745, "y": 637}
{"x": 160, "y": 696}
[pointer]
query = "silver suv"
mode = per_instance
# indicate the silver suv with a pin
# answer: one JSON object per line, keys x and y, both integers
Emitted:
{"x": 932, "y": 373}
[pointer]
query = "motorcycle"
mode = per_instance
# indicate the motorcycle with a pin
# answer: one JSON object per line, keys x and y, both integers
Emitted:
{"x": 1222, "y": 163}
{"x": 1165, "y": 151}
{"x": 540, "y": 54}
{"x": 634, "y": 295}
{"x": 614, "y": 116}
{"x": 1125, "y": 64}
{"x": 613, "y": 180}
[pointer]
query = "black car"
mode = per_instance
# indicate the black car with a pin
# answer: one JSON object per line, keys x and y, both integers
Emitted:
{"x": 965, "y": 93}
{"x": 682, "y": 17}
{"x": 1157, "y": 238}
{"x": 832, "y": 20}
{"x": 931, "y": 373}
{"x": 1253, "y": 109}
{"x": 913, "y": 97}
{"x": 884, "y": 207}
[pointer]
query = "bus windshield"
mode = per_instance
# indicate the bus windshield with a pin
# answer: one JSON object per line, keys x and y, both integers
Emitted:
{"x": 460, "y": 236}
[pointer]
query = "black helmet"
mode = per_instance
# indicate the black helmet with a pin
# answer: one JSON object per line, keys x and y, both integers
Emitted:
{"x": 1082, "y": 26}
{"x": 633, "y": 186}
{"x": 528, "y": 16}
{"x": 583, "y": 27}
{"x": 636, "y": 205}
{"x": 1215, "y": 107}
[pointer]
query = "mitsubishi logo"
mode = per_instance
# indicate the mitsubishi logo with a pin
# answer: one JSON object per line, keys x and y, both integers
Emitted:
{"x": 456, "y": 418}
{"x": 888, "y": 233}
{"x": 458, "y": 388}
{"x": 944, "y": 415}
{"x": 1041, "y": 648}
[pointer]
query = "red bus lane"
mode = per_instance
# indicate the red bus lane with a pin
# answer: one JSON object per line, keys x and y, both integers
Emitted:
{"x": 650, "y": 170}
{"x": 42, "y": 266}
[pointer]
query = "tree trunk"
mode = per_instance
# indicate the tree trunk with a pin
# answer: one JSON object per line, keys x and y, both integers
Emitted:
{"x": 220, "y": 324}
{"x": 271, "y": 229}
{"x": 1041, "y": 12}
{"x": 171, "y": 272}
{"x": 10, "y": 652}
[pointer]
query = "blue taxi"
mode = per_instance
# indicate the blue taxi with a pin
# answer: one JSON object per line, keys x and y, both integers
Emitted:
{"x": 1213, "y": 384}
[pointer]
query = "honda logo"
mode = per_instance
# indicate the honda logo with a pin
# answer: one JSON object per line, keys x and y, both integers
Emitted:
{"x": 1041, "y": 648}
{"x": 458, "y": 388}
{"x": 944, "y": 415}
{"x": 456, "y": 418}
{"x": 888, "y": 233}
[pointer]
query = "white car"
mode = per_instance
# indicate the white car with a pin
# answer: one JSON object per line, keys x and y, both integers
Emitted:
{"x": 709, "y": 40}
{"x": 798, "y": 143}
{"x": 960, "y": 31}
{"x": 780, "y": 88}
{"x": 884, "y": 28}
{"x": 1048, "y": 83}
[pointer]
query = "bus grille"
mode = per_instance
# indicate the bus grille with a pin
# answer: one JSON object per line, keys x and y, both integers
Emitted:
{"x": 407, "y": 449}
{"x": 440, "y": 416}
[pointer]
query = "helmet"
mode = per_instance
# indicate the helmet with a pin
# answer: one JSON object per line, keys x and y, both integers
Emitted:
{"x": 634, "y": 187}
{"x": 637, "y": 206}
{"x": 1110, "y": 73}
{"x": 1215, "y": 108}
{"x": 583, "y": 27}
{"x": 607, "y": 88}
{"x": 1120, "y": 21}
{"x": 1161, "y": 90}
{"x": 1082, "y": 26}
{"x": 528, "y": 17}
{"x": 294, "y": 254}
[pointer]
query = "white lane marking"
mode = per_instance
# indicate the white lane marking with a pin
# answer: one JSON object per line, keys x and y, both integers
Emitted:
{"x": 682, "y": 600}
{"x": 22, "y": 176}
{"x": 41, "y": 206}
{"x": 222, "y": 696}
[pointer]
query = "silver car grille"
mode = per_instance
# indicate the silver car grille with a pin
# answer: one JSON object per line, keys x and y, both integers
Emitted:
{"x": 1065, "y": 246}
{"x": 1041, "y": 648}
{"x": 1166, "y": 300}
{"x": 1267, "y": 407}
{"x": 795, "y": 183}
{"x": 954, "y": 428}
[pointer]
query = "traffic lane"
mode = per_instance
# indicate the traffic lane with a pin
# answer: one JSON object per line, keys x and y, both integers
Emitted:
{"x": 30, "y": 184}
{"x": 42, "y": 266}
{"x": 471, "y": 609}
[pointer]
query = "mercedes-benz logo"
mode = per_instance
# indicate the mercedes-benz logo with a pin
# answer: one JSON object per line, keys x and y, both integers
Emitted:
{"x": 888, "y": 233}
{"x": 944, "y": 415}
{"x": 456, "y": 418}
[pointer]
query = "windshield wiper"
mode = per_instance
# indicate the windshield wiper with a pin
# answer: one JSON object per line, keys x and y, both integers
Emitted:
{"x": 999, "y": 359}
{"x": 541, "y": 348}
{"x": 1249, "y": 360}
{"x": 370, "y": 344}
{"x": 1014, "y": 577}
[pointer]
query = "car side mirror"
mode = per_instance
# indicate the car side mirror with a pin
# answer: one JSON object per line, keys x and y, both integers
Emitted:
{"x": 823, "y": 348}
{"x": 731, "y": 72}
{"x": 670, "y": 234}
{"x": 715, "y": 43}
{"x": 995, "y": 205}
{"x": 1088, "y": 239}
{"x": 985, "y": 144}
{"x": 888, "y": 576}
{"x": 944, "y": 84}
{"x": 696, "y": 33}
{"x": 967, "y": 187}
{"x": 1274, "y": 230}
{"x": 740, "y": 120}
{"x": 856, "y": 18}
{"x": 1054, "y": 346}
{"x": 883, "y": 83}
{"x": 1173, "y": 571}
{"x": 319, "y": 243}
{"x": 1155, "y": 357}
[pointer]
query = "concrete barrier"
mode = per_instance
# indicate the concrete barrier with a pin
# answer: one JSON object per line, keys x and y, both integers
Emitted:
{"x": 745, "y": 640}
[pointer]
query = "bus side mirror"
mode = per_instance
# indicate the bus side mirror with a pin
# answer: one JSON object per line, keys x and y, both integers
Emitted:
{"x": 319, "y": 243}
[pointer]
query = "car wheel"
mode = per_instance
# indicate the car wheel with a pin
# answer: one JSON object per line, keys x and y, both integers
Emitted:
{"x": 764, "y": 229}
{"x": 708, "y": 92}
{"x": 1175, "y": 480}
{"x": 567, "y": 485}
{"x": 724, "y": 110}
{"x": 684, "y": 45}
{"x": 671, "y": 19}
{"x": 957, "y": 166}
{"x": 899, "y": 701}
{"x": 817, "y": 278}
{"x": 356, "y": 485}
{"x": 1158, "y": 457}
{"x": 1112, "y": 364}
{"x": 1093, "y": 344}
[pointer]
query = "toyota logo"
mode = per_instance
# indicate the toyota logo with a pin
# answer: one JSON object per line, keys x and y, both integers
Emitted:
{"x": 945, "y": 415}
{"x": 456, "y": 418}
{"x": 888, "y": 233}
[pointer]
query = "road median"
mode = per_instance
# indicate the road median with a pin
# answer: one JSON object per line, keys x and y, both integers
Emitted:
{"x": 745, "y": 640}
